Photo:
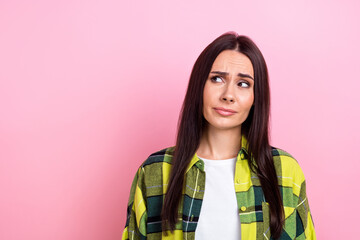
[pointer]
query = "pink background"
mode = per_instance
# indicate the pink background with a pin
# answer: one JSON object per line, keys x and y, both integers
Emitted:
{"x": 88, "y": 89}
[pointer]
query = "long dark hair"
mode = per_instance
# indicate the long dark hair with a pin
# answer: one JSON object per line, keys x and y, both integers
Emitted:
{"x": 192, "y": 124}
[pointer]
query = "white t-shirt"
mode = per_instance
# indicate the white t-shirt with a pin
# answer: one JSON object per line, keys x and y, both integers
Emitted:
{"x": 219, "y": 218}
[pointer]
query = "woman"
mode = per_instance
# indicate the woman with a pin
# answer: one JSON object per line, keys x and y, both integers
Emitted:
{"x": 251, "y": 189}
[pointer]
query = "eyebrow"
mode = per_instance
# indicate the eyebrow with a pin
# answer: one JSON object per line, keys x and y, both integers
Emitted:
{"x": 239, "y": 74}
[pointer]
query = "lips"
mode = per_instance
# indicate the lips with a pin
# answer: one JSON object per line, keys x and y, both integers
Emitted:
{"x": 224, "y": 112}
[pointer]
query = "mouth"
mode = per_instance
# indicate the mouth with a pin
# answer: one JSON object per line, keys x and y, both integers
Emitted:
{"x": 224, "y": 111}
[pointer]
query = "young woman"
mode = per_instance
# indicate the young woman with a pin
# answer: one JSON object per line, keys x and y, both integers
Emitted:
{"x": 222, "y": 179}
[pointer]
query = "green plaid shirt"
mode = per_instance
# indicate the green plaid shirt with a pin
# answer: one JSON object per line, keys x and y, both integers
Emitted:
{"x": 150, "y": 184}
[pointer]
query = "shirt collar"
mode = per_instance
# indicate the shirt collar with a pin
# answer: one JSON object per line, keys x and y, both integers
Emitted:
{"x": 195, "y": 160}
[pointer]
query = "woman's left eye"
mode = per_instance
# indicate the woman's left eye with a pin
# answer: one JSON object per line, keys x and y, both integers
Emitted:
{"x": 244, "y": 84}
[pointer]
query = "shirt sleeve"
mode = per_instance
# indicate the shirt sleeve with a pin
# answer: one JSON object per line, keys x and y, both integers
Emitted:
{"x": 135, "y": 227}
{"x": 304, "y": 222}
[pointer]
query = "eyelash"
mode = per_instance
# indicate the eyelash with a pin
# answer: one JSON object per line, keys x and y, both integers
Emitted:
{"x": 213, "y": 79}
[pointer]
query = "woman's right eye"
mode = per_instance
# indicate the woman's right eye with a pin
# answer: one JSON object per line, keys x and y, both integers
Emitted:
{"x": 216, "y": 78}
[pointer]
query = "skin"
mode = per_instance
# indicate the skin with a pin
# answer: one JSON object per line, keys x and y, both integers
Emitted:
{"x": 222, "y": 137}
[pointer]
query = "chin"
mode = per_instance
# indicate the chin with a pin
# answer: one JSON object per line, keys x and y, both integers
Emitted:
{"x": 222, "y": 126}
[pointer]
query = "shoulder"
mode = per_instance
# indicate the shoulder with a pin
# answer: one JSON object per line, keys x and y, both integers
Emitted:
{"x": 160, "y": 156}
{"x": 157, "y": 161}
{"x": 286, "y": 164}
{"x": 154, "y": 171}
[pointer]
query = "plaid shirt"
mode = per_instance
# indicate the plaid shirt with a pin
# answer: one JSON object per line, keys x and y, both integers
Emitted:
{"x": 150, "y": 184}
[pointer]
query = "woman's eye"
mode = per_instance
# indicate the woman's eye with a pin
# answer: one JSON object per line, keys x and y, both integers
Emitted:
{"x": 215, "y": 78}
{"x": 244, "y": 84}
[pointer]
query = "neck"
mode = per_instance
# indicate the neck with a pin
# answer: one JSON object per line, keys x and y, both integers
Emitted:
{"x": 219, "y": 144}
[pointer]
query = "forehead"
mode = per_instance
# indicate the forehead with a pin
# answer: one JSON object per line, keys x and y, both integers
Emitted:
{"x": 233, "y": 61}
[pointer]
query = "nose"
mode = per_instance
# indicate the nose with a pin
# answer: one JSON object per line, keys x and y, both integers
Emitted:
{"x": 228, "y": 94}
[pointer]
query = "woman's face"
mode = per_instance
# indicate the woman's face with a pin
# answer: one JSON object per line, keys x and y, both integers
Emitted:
{"x": 230, "y": 85}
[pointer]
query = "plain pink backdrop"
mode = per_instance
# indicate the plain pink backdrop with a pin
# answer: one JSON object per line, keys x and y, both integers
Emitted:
{"x": 88, "y": 89}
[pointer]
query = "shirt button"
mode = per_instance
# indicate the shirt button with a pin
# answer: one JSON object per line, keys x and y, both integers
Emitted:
{"x": 238, "y": 180}
{"x": 242, "y": 156}
{"x": 243, "y": 208}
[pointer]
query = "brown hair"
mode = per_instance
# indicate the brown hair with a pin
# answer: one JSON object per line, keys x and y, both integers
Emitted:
{"x": 255, "y": 128}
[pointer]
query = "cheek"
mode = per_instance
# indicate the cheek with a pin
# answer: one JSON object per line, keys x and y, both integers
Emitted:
{"x": 251, "y": 100}
{"x": 207, "y": 96}
{"x": 246, "y": 100}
